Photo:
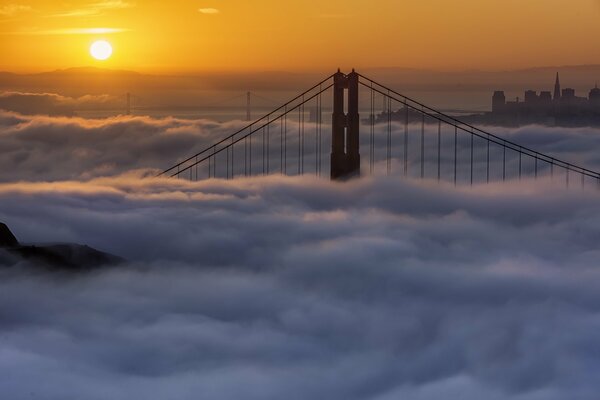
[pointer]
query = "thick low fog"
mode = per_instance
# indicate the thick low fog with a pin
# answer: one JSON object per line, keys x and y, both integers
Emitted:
{"x": 291, "y": 287}
{"x": 55, "y": 104}
{"x": 46, "y": 148}
{"x": 42, "y": 148}
{"x": 270, "y": 288}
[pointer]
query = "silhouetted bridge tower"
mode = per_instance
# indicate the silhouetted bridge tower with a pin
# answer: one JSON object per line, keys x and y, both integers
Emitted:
{"x": 345, "y": 131}
{"x": 400, "y": 134}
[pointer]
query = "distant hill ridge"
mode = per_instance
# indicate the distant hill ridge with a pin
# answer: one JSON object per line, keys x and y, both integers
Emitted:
{"x": 451, "y": 89}
{"x": 99, "y": 70}
{"x": 67, "y": 256}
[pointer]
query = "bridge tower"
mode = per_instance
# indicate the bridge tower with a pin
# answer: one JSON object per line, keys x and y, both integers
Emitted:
{"x": 345, "y": 155}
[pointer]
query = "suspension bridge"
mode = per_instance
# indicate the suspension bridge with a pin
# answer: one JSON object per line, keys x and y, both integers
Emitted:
{"x": 423, "y": 143}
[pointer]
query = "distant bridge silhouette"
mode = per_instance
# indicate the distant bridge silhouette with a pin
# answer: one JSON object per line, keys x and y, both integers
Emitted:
{"x": 290, "y": 141}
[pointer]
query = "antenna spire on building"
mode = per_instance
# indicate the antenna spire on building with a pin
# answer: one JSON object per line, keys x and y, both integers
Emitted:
{"x": 557, "y": 88}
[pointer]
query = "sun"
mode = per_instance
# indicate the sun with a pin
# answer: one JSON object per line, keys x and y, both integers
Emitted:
{"x": 101, "y": 50}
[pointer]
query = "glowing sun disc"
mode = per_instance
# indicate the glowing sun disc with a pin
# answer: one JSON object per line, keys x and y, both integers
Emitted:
{"x": 101, "y": 50}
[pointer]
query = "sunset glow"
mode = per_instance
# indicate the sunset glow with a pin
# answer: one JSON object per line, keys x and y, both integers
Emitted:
{"x": 242, "y": 35}
{"x": 293, "y": 199}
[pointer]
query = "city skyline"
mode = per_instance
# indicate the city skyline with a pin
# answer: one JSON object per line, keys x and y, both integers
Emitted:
{"x": 560, "y": 106}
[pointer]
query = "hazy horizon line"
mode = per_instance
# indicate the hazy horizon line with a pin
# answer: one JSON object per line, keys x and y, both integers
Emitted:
{"x": 290, "y": 71}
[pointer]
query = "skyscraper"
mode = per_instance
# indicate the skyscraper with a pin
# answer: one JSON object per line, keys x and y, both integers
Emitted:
{"x": 498, "y": 101}
{"x": 595, "y": 98}
{"x": 557, "y": 89}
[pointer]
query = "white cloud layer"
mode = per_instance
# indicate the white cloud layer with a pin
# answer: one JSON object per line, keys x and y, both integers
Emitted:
{"x": 78, "y": 148}
{"x": 296, "y": 288}
{"x": 55, "y": 104}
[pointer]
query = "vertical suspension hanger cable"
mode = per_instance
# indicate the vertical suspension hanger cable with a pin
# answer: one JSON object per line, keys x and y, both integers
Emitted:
{"x": 320, "y": 125}
{"x": 520, "y": 162}
{"x": 455, "y": 151}
{"x": 285, "y": 143}
{"x": 405, "y": 137}
{"x": 303, "y": 135}
{"x": 281, "y": 144}
{"x": 301, "y": 130}
{"x": 472, "y": 138}
{"x": 250, "y": 152}
{"x": 214, "y": 161}
{"x": 299, "y": 136}
{"x": 232, "y": 158}
{"x": 439, "y": 149}
{"x": 503, "y": 161}
{"x": 389, "y": 134}
{"x": 318, "y": 134}
{"x": 371, "y": 126}
{"x": 487, "y": 172}
{"x": 422, "y": 143}
{"x": 316, "y": 120}
{"x": 373, "y": 129}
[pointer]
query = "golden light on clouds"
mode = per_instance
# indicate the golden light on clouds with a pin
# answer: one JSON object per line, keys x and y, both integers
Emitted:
{"x": 178, "y": 36}
{"x": 94, "y": 8}
{"x": 71, "y": 31}
{"x": 11, "y": 10}
{"x": 208, "y": 11}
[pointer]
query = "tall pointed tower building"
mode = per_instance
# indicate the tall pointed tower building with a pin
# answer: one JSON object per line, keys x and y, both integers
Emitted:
{"x": 557, "y": 89}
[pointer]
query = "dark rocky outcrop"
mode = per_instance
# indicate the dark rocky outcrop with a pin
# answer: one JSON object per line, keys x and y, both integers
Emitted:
{"x": 72, "y": 257}
{"x": 7, "y": 239}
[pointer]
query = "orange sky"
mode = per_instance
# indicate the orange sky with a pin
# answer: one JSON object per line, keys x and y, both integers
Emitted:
{"x": 199, "y": 35}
